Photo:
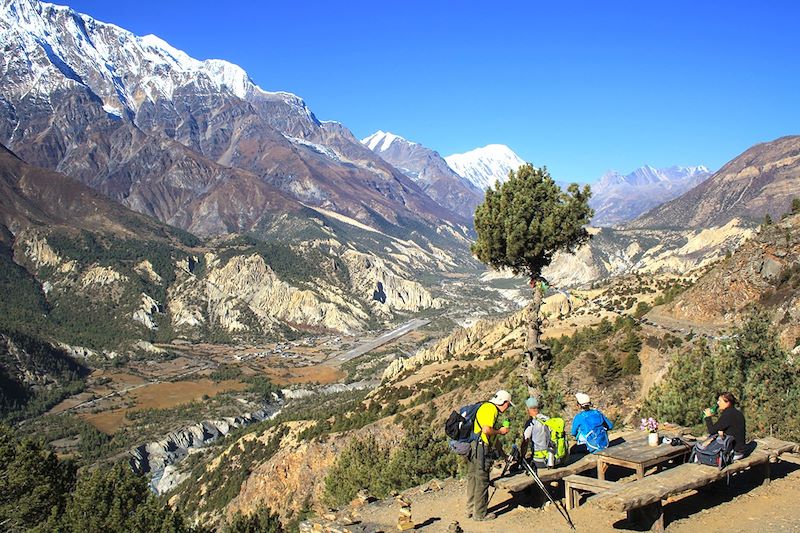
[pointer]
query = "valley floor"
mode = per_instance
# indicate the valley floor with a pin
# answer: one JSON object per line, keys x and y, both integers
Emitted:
{"x": 745, "y": 506}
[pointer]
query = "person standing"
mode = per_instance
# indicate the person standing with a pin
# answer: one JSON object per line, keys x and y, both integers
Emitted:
{"x": 590, "y": 426}
{"x": 481, "y": 454}
{"x": 731, "y": 422}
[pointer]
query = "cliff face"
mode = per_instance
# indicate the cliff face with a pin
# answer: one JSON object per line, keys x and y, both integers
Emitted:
{"x": 614, "y": 252}
{"x": 764, "y": 270}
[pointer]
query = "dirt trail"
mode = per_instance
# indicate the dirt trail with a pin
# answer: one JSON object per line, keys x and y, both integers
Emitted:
{"x": 745, "y": 506}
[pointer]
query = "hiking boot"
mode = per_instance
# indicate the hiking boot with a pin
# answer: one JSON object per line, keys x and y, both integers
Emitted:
{"x": 490, "y": 516}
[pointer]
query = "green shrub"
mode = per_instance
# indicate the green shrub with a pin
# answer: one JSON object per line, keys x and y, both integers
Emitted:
{"x": 262, "y": 521}
{"x": 751, "y": 365}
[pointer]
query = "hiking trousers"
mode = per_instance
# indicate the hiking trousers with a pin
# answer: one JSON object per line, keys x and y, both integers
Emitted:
{"x": 478, "y": 481}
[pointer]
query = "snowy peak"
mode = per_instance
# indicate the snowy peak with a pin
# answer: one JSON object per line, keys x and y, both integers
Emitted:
{"x": 64, "y": 48}
{"x": 380, "y": 141}
{"x": 648, "y": 175}
{"x": 617, "y": 198}
{"x": 484, "y": 166}
{"x": 429, "y": 170}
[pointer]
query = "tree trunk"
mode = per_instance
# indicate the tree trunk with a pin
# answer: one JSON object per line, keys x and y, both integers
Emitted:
{"x": 533, "y": 347}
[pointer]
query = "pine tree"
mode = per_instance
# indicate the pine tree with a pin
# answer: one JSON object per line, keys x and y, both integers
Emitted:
{"x": 521, "y": 224}
{"x": 262, "y": 521}
{"x": 33, "y": 483}
{"x": 116, "y": 500}
{"x": 686, "y": 390}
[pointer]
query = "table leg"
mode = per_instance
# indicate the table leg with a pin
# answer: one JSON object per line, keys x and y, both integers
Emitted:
{"x": 639, "y": 471}
{"x": 602, "y": 466}
{"x": 651, "y": 516}
{"x": 766, "y": 474}
{"x": 569, "y": 493}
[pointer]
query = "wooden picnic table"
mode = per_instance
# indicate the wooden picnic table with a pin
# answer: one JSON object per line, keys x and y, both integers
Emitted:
{"x": 637, "y": 455}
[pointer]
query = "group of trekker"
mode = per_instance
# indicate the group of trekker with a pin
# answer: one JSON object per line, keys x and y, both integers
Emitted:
{"x": 545, "y": 438}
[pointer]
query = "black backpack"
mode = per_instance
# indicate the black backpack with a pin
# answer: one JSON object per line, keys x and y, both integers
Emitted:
{"x": 459, "y": 425}
{"x": 714, "y": 451}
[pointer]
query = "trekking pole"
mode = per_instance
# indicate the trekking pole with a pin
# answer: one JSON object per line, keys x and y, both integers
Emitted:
{"x": 503, "y": 473}
{"x": 532, "y": 471}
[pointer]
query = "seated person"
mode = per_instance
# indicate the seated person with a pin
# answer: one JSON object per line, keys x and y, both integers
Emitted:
{"x": 730, "y": 422}
{"x": 536, "y": 434}
{"x": 590, "y": 426}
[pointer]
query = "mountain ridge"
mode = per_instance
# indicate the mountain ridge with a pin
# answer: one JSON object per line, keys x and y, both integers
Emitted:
{"x": 426, "y": 167}
{"x": 761, "y": 180}
{"x": 118, "y": 100}
{"x": 617, "y": 198}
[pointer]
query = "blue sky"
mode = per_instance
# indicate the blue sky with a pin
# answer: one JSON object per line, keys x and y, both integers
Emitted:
{"x": 581, "y": 87}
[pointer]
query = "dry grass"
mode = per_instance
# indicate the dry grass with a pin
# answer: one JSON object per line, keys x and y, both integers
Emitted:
{"x": 160, "y": 396}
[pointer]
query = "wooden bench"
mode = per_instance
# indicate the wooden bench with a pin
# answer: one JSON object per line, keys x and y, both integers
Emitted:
{"x": 575, "y": 483}
{"x": 643, "y": 498}
{"x": 522, "y": 481}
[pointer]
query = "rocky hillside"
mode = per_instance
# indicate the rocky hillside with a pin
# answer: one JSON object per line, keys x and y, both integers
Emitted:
{"x": 761, "y": 181}
{"x": 616, "y": 252}
{"x": 429, "y": 170}
{"x": 75, "y": 250}
{"x": 617, "y": 198}
{"x": 764, "y": 272}
{"x": 286, "y": 461}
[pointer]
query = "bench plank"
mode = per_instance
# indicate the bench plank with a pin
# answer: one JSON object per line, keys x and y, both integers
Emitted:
{"x": 589, "y": 483}
{"x": 522, "y": 481}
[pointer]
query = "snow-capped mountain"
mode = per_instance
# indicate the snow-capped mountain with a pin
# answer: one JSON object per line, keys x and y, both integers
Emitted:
{"x": 648, "y": 175}
{"x": 617, "y": 198}
{"x": 429, "y": 170}
{"x": 483, "y": 166}
{"x": 381, "y": 141}
{"x": 123, "y": 69}
{"x": 194, "y": 143}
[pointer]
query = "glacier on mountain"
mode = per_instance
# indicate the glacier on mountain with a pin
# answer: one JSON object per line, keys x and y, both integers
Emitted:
{"x": 484, "y": 166}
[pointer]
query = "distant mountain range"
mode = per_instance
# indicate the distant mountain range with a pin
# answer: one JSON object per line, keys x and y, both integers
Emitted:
{"x": 617, "y": 198}
{"x": 431, "y": 172}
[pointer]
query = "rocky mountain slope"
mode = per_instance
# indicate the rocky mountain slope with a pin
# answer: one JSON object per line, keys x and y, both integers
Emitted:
{"x": 764, "y": 272}
{"x": 762, "y": 180}
{"x": 77, "y": 250}
{"x": 618, "y": 198}
{"x": 615, "y": 252}
{"x": 429, "y": 170}
{"x": 484, "y": 166}
{"x": 193, "y": 143}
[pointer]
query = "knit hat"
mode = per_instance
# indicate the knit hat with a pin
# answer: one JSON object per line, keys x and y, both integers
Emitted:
{"x": 532, "y": 401}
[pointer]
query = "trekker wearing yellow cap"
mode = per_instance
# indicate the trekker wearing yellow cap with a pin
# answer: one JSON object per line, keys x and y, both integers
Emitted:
{"x": 481, "y": 454}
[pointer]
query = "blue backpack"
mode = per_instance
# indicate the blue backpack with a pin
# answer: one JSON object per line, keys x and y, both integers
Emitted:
{"x": 596, "y": 438}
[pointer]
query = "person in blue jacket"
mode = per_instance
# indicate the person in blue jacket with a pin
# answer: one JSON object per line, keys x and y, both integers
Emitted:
{"x": 590, "y": 426}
